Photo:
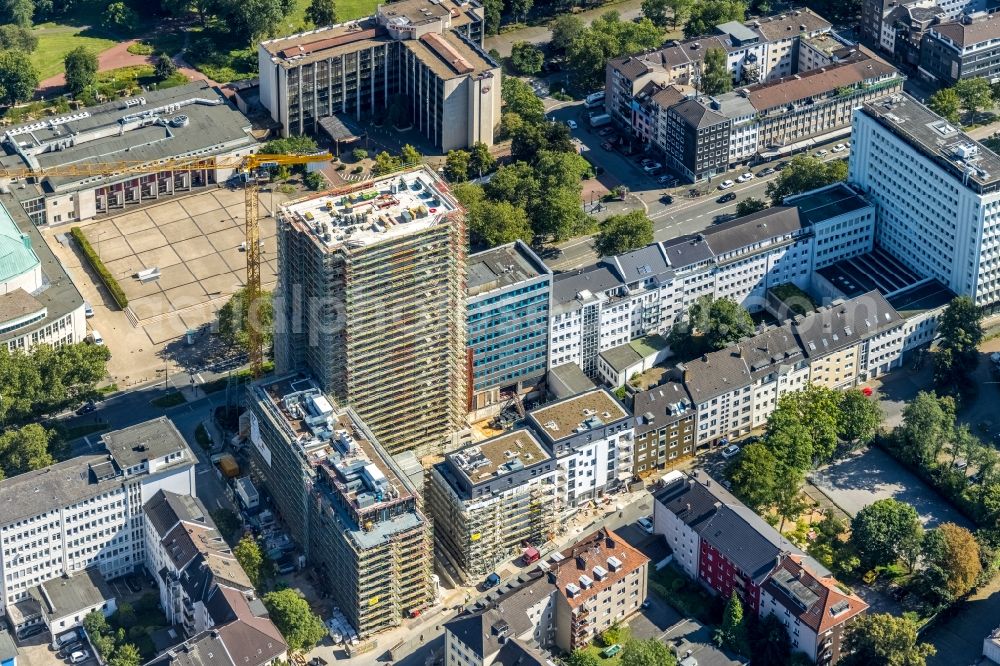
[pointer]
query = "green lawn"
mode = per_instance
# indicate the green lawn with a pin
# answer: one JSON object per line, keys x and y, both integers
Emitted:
{"x": 596, "y": 651}
{"x": 346, "y": 11}
{"x": 55, "y": 40}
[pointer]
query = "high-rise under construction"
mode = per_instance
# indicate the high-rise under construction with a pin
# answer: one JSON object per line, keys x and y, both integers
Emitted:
{"x": 371, "y": 300}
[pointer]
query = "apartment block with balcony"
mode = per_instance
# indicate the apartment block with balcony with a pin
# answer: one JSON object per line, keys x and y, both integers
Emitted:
{"x": 422, "y": 59}
{"x": 665, "y": 426}
{"x": 85, "y": 513}
{"x": 491, "y": 500}
{"x": 353, "y": 512}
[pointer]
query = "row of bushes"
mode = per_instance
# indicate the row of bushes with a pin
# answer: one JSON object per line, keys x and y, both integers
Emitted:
{"x": 102, "y": 271}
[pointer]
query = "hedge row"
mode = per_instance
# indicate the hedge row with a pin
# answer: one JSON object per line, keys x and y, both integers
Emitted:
{"x": 102, "y": 271}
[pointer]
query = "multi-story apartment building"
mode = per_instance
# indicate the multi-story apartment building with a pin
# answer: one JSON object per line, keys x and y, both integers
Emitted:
{"x": 729, "y": 548}
{"x": 665, "y": 427}
{"x": 764, "y": 49}
{"x": 508, "y": 292}
{"x": 491, "y": 500}
{"x": 85, "y": 513}
{"x": 628, "y": 296}
{"x": 950, "y": 52}
{"x": 601, "y": 581}
{"x": 370, "y": 299}
{"x": 39, "y": 304}
{"x": 421, "y": 57}
{"x": 191, "y": 121}
{"x": 876, "y": 15}
{"x": 936, "y": 192}
{"x": 353, "y": 512}
{"x": 701, "y": 136}
{"x": 591, "y": 437}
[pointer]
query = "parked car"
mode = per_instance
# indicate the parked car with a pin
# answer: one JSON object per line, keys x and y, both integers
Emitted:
{"x": 28, "y": 632}
{"x": 571, "y": 124}
{"x": 645, "y": 162}
{"x": 646, "y": 524}
{"x": 651, "y": 167}
{"x": 767, "y": 172}
{"x": 726, "y": 198}
{"x": 79, "y": 656}
{"x": 839, "y": 148}
{"x": 780, "y": 165}
{"x": 491, "y": 581}
{"x": 822, "y": 153}
{"x": 88, "y": 309}
{"x": 607, "y": 131}
{"x": 726, "y": 184}
{"x": 86, "y": 408}
{"x": 745, "y": 177}
{"x": 69, "y": 649}
{"x": 667, "y": 180}
{"x": 96, "y": 337}
{"x": 730, "y": 451}
{"x": 666, "y": 200}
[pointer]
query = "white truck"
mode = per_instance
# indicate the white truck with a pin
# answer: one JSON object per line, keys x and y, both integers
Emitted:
{"x": 600, "y": 120}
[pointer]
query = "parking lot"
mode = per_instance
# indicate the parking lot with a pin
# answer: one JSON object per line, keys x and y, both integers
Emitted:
{"x": 859, "y": 480}
{"x": 36, "y": 651}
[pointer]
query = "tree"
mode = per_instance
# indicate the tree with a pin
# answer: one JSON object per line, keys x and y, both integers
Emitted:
{"x": 616, "y": 634}
{"x": 565, "y": 29}
{"x": 517, "y": 183}
{"x": 250, "y": 557}
{"x": 251, "y": 20}
{"x": 386, "y": 163}
{"x": 769, "y": 642}
{"x": 526, "y": 58}
{"x": 656, "y": 11}
{"x": 95, "y": 623}
{"x": 520, "y": 8}
{"x": 119, "y": 16}
{"x": 647, "y": 653}
{"x": 495, "y": 223}
{"x": 25, "y": 449}
{"x": 860, "y": 418}
{"x": 732, "y": 634}
{"x": 583, "y": 658}
{"x": 928, "y": 422}
{"x": 881, "y": 639}
{"x": 16, "y": 37}
{"x": 817, "y": 410}
{"x": 749, "y": 206}
{"x": 881, "y": 529}
{"x": 790, "y": 442}
{"x": 788, "y": 499}
{"x": 18, "y": 77}
{"x": 314, "y": 180}
{"x": 164, "y": 67}
{"x": 519, "y": 98}
{"x": 125, "y": 654}
{"x": 481, "y": 161}
{"x": 608, "y": 37}
{"x": 558, "y": 215}
{"x": 717, "y": 322}
{"x": 945, "y": 103}
{"x": 410, "y": 155}
{"x": 959, "y": 558}
{"x": 753, "y": 475}
{"x": 81, "y": 69}
{"x": 705, "y": 16}
{"x": 321, "y": 12}
{"x": 716, "y": 77}
{"x": 235, "y": 318}
{"x": 974, "y": 94}
{"x": 493, "y": 11}
{"x": 960, "y": 331}
{"x": 295, "y": 145}
{"x": 290, "y": 612}
{"x": 17, "y": 12}
{"x": 679, "y": 10}
{"x": 805, "y": 173}
{"x": 623, "y": 233}
{"x": 357, "y": 154}
{"x": 456, "y": 166}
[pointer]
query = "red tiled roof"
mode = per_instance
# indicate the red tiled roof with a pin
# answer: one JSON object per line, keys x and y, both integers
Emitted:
{"x": 590, "y": 552}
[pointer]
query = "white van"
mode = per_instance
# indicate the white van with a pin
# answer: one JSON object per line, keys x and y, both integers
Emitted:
{"x": 95, "y": 337}
{"x": 79, "y": 656}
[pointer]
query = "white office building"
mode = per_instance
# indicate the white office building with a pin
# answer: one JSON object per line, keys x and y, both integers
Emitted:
{"x": 936, "y": 193}
{"x": 625, "y": 297}
{"x": 85, "y": 513}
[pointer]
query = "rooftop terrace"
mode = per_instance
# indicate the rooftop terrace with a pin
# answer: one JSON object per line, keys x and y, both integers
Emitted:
{"x": 377, "y": 211}
{"x": 499, "y": 456}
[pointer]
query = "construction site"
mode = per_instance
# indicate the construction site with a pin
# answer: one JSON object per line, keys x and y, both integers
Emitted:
{"x": 371, "y": 289}
{"x": 349, "y": 507}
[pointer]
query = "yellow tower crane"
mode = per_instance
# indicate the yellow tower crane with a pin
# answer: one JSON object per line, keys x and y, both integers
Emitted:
{"x": 248, "y": 166}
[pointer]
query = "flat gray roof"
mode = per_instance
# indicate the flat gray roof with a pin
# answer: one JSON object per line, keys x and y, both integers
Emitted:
{"x": 68, "y": 595}
{"x": 152, "y": 439}
{"x": 7, "y": 648}
{"x": 568, "y": 379}
{"x": 967, "y": 160}
{"x": 501, "y": 267}
{"x": 827, "y": 203}
{"x": 62, "y": 484}
{"x": 188, "y": 120}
